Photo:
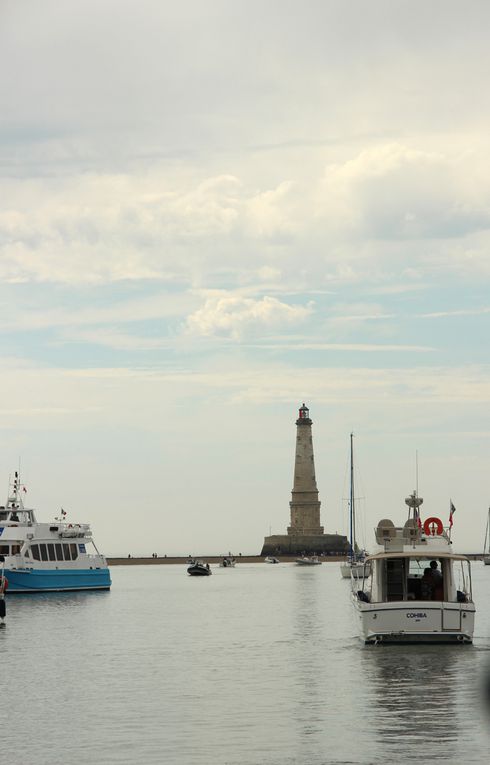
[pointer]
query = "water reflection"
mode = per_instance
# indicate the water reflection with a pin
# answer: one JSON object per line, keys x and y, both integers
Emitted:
{"x": 308, "y": 604}
{"x": 416, "y": 693}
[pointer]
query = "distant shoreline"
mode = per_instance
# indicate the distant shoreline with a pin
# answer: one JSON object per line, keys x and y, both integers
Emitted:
{"x": 149, "y": 561}
{"x": 169, "y": 560}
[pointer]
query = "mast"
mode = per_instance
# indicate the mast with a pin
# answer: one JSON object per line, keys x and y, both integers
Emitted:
{"x": 352, "y": 506}
{"x": 486, "y": 547}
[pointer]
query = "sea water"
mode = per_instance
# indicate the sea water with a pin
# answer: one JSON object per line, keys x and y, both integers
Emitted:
{"x": 258, "y": 664}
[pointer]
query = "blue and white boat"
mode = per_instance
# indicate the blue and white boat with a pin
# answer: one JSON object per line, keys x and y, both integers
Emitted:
{"x": 47, "y": 557}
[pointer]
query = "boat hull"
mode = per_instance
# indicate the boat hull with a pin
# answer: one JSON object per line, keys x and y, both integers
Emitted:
{"x": 57, "y": 580}
{"x": 357, "y": 570}
{"x": 198, "y": 571}
{"x": 415, "y": 622}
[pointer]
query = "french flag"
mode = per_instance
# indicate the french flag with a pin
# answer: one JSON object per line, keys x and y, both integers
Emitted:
{"x": 452, "y": 510}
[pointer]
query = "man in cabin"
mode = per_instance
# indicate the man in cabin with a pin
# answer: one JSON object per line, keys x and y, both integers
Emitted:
{"x": 437, "y": 580}
{"x": 436, "y": 574}
{"x": 426, "y": 585}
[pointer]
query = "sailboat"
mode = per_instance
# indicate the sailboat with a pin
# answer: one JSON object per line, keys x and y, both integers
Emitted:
{"x": 354, "y": 566}
{"x": 486, "y": 545}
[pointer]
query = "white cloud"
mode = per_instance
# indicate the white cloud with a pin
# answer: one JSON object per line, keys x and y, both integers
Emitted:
{"x": 236, "y": 316}
{"x": 394, "y": 191}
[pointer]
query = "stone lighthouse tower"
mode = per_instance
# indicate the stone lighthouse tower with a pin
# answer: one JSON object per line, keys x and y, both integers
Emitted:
{"x": 305, "y": 534}
{"x": 305, "y": 505}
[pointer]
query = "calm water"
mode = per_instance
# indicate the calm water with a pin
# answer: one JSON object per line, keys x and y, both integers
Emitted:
{"x": 253, "y": 665}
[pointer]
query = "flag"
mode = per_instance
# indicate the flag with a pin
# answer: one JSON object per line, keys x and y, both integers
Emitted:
{"x": 24, "y": 490}
{"x": 452, "y": 510}
{"x": 63, "y": 512}
{"x": 417, "y": 517}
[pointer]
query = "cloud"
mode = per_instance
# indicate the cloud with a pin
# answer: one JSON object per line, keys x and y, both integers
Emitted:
{"x": 394, "y": 191}
{"x": 236, "y": 317}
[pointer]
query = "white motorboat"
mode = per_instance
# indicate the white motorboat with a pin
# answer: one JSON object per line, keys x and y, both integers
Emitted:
{"x": 228, "y": 562}
{"x": 486, "y": 544}
{"x": 199, "y": 568}
{"x": 308, "y": 560}
{"x": 419, "y": 590}
{"x": 355, "y": 566}
{"x": 47, "y": 557}
{"x": 271, "y": 559}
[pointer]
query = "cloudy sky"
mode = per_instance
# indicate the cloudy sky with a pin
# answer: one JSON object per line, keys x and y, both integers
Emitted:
{"x": 211, "y": 212}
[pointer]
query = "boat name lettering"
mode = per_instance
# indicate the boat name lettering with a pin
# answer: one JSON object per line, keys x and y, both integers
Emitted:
{"x": 419, "y": 615}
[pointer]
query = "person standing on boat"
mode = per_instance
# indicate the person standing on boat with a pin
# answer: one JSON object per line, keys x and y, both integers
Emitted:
{"x": 436, "y": 580}
{"x": 436, "y": 574}
{"x": 427, "y": 585}
{"x": 3, "y": 589}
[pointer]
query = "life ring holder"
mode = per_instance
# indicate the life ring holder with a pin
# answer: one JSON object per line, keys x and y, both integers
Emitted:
{"x": 429, "y": 523}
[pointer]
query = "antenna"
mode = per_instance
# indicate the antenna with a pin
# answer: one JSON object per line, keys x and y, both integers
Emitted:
{"x": 416, "y": 472}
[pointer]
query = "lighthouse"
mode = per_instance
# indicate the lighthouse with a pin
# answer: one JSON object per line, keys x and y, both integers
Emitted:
{"x": 305, "y": 534}
{"x": 305, "y": 505}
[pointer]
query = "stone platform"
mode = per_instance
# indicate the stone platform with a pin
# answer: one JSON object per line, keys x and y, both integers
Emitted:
{"x": 293, "y": 544}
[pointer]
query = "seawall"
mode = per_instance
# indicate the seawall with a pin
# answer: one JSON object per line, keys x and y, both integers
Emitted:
{"x": 208, "y": 558}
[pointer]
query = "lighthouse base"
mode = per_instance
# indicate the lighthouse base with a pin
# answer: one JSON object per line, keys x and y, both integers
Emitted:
{"x": 285, "y": 544}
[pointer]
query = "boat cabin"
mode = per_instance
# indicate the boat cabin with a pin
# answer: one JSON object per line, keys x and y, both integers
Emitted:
{"x": 13, "y": 515}
{"x": 415, "y": 576}
{"x": 416, "y": 566}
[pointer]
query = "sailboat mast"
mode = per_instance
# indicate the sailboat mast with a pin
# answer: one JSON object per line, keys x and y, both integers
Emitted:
{"x": 352, "y": 500}
{"x": 486, "y": 544}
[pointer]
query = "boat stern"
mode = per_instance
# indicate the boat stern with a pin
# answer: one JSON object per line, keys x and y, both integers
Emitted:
{"x": 416, "y": 622}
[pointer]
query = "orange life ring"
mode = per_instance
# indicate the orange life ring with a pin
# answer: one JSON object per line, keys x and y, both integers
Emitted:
{"x": 433, "y": 522}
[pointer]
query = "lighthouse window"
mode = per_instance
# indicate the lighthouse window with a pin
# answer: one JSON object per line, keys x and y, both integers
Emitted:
{"x": 51, "y": 553}
{"x": 44, "y": 552}
{"x": 66, "y": 551}
{"x": 59, "y": 551}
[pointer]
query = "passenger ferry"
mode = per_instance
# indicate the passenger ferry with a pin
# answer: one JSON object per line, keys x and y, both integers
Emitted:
{"x": 419, "y": 590}
{"x": 47, "y": 557}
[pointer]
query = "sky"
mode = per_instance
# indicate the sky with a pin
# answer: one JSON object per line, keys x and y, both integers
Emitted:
{"x": 213, "y": 212}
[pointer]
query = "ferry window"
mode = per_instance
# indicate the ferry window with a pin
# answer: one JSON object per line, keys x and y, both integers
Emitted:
{"x": 35, "y": 552}
{"x": 59, "y": 551}
{"x": 4, "y": 550}
{"x": 82, "y": 548}
{"x": 27, "y": 553}
{"x": 66, "y": 551}
{"x": 51, "y": 554}
{"x": 15, "y": 549}
{"x": 44, "y": 552}
{"x": 74, "y": 551}
{"x": 3, "y": 516}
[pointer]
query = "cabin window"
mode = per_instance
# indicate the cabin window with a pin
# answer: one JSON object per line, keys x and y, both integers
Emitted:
{"x": 3, "y": 515}
{"x": 44, "y": 552}
{"x": 15, "y": 549}
{"x": 66, "y": 551}
{"x": 35, "y": 552}
{"x": 395, "y": 579}
{"x": 4, "y": 549}
{"x": 27, "y": 553}
{"x": 82, "y": 548}
{"x": 59, "y": 551}
{"x": 74, "y": 551}
{"x": 51, "y": 553}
